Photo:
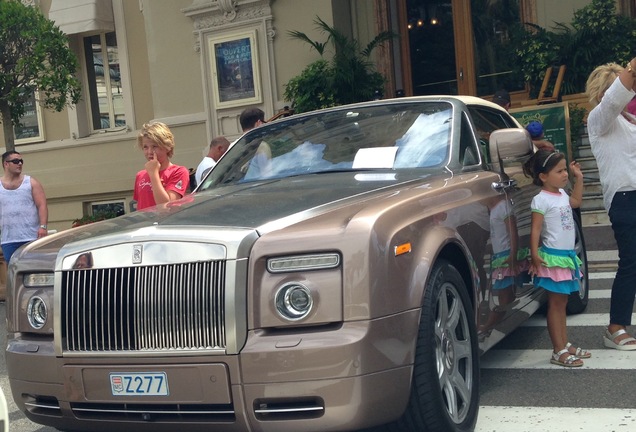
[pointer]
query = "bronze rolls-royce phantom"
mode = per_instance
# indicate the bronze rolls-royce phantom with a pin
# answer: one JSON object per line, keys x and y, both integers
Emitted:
{"x": 338, "y": 270}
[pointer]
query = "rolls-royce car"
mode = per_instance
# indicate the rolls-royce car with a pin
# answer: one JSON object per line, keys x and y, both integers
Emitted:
{"x": 339, "y": 270}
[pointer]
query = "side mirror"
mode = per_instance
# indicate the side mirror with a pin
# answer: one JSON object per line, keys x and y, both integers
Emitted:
{"x": 508, "y": 146}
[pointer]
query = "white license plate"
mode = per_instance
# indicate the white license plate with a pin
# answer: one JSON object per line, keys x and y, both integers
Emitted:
{"x": 139, "y": 384}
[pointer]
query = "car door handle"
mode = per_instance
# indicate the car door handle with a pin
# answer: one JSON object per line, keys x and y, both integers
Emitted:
{"x": 503, "y": 185}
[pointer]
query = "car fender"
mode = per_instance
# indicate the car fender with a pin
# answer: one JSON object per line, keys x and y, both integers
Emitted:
{"x": 436, "y": 242}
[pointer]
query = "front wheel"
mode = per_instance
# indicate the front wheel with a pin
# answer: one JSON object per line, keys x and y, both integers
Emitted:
{"x": 577, "y": 302}
{"x": 445, "y": 384}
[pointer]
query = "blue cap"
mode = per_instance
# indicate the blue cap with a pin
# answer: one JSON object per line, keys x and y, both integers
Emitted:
{"x": 535, "y": 129}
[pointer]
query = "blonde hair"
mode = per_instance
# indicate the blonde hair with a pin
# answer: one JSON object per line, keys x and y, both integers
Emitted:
{"x": 160, "y": 134}
{"x": 600, "y": 80}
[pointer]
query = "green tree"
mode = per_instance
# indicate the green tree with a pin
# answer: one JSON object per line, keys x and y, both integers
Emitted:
{"x": 34, "y": 56}
{"x": 347, "y": 78}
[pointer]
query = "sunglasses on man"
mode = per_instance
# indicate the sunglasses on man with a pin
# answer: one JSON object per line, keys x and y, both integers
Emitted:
{"x": 15, "y": 161}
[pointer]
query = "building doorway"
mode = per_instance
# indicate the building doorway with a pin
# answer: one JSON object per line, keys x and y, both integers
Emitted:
{"x": 460, "y": 47}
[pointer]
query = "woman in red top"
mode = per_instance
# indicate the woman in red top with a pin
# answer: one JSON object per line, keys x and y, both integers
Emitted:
{"x": 160, "y": 181}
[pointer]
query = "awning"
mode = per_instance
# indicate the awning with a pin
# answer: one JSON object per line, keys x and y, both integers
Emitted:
{"x": 82, "y": 16}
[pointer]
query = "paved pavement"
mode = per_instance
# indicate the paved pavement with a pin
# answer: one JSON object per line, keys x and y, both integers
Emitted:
{"x": 522, "y": 392}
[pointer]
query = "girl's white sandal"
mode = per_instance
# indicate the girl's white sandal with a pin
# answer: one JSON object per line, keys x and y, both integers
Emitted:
{"x": 570, "y": 361}
{"x": 580, "y": 352}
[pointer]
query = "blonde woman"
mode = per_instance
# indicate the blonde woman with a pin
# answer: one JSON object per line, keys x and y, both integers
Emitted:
{"x": 160, "y": 181}
{"x": 612, "y": 131}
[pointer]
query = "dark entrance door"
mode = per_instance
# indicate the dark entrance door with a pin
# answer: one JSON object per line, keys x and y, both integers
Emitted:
{"x": 462, "y": 46}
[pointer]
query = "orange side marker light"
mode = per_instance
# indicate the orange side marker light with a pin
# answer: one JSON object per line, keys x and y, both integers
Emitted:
{"x": 402, "y": 249}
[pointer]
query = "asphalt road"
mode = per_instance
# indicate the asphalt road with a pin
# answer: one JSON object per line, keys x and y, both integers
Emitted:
{"x": 520, "y": 389}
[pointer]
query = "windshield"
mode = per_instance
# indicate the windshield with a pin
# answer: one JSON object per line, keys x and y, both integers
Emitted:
{"x": 384, "y": 137}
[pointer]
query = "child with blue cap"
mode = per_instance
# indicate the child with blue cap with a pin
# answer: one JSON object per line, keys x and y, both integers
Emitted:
{"x": 535, "y": 129}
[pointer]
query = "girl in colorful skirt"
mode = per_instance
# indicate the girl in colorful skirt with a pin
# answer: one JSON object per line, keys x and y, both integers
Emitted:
{"x": 554, "y": 263}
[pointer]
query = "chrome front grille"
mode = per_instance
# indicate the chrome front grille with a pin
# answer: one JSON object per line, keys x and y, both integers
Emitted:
{"x": 146, "y": 308}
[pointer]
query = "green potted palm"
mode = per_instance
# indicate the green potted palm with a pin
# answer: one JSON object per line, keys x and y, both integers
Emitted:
{"x": 348, "y": 76}
{"x": 596, "y": 35}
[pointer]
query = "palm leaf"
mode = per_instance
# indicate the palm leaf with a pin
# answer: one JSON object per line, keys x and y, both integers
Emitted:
{"x": 377, "y": 41}
{"x": 318, "y": 46}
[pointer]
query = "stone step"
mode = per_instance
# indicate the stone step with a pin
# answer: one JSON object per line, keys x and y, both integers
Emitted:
{"x": 605, "y": 266}
{"x": 590, "y": 176}
{"x": 602, "y": 261}
{"x": 591, "y": 187}
{"x": 592, "y": 202}
{"x": 592, "y": 210}
{"x": 584, "y": 152}
{"x": 587, "y": 163}
{"x": 594, "y": 217}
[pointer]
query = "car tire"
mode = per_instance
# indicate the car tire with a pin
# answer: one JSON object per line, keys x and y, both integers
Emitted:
{"x": 577, "y": 301}
{"x": 445, "y": 383}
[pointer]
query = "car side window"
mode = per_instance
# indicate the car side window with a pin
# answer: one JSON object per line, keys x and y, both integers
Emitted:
{"x": 488, "y": 120}
{"x": 468, "y": 152}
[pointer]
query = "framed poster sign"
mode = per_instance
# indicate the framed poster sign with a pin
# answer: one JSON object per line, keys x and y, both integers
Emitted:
{"x": 235, "y": 73}
{"x": 556, "y": 123}
{"x": 31, "y": 129}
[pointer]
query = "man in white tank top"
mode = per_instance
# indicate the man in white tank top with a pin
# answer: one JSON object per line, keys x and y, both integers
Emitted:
{"x": 23, "y": 210}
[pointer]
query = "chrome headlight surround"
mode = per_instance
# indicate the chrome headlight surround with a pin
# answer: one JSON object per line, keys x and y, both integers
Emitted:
{"x": 34, "y": 302}
{"x": 293, "y": 301}
{"x": 37, "y": 313}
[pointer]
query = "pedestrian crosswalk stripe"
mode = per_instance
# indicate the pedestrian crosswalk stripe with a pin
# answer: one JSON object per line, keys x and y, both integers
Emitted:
{"x": 602, "y": 255}
{"x": 600, "y": 294}
{"x": 582, "y": 320}
{"x": 602, "y": 275}
{"x": 543, "y": 419}
{"x": 602, "y": 359}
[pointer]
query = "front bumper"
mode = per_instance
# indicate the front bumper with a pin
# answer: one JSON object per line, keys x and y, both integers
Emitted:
{"x": 344, "y": 377}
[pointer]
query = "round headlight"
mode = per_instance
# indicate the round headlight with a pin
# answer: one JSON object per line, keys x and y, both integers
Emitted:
{"x": 294, "y": 301}
{"x": 36, "y": 312}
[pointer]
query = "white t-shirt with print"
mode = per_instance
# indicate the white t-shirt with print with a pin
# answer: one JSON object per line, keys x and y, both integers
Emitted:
{"x": 558, "y": 231}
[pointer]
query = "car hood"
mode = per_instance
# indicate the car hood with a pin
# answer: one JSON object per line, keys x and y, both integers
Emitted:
{"x": 255, "y": 205}
{"x": 260, "y": 206}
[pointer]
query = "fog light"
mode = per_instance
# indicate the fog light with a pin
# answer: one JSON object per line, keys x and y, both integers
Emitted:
{"x": 36, "y": 312}
{"x": 294, "y": 301}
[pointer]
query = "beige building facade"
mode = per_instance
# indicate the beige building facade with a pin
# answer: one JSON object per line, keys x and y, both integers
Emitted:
{"x": 195, "y": 65}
